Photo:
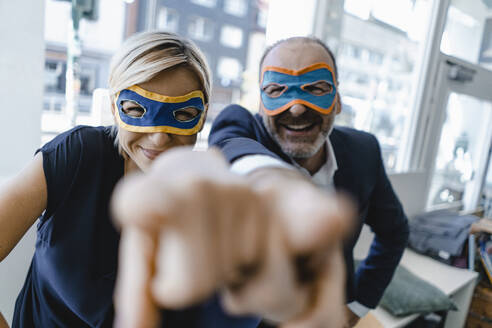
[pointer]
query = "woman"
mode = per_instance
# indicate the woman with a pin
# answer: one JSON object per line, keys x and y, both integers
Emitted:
{"x": 160, "y": 88}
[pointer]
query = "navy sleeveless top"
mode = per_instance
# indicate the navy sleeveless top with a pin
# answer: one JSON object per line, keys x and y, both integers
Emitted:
{"x": 72, "y": 275}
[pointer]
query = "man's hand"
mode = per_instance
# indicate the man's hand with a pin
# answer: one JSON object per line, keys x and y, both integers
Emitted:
{"x": 270, "y": 245}
{"x": 351, "y": 318}
{"x": 3, "y": 322}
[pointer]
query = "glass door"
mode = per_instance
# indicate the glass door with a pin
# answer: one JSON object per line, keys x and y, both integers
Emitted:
{"x": 486, "y": 195}
{"x": 458, "y": 127}
{"x": 462, "y": 152}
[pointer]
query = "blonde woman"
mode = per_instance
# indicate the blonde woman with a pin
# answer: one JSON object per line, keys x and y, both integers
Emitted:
{"x": 160, "y": 89}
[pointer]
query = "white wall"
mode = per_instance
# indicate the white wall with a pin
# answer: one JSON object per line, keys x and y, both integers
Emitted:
{"x": 21, "y": 81}
{"x": 21, "y": 91}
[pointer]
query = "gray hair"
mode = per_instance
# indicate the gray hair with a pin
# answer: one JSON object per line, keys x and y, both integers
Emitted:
{"x": 305, "y": 39}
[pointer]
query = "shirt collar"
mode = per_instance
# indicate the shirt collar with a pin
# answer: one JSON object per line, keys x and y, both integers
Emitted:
{"x": 324, "y": 176}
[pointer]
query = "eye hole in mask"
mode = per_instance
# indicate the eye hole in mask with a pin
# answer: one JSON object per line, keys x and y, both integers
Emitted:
{"x": 274, "y": 90}
{"x": 318, "y": 88}
{"x": 132, "y": 108}
{"x": 186, "y": 114}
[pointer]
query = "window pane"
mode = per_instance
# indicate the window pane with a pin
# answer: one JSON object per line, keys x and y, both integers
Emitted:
{"x": 236, "y": 7}
{"x": 167, "y": 19}
{"x": 377, "y": 48}
{"x": 100, "y": 39}
{"x": 201, "y": 28}
{"x": 229, "y": 70}
{"x": 231, "y": 36}
{"x": 468, "y": 32}
{"x": 205, "y": 3}
{"x": 460, "y": 149}
{"x": 486, "y": 198}
{"x": 54, "y": 76}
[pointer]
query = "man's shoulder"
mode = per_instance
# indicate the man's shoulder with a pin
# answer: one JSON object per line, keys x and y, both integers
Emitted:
{"x": 237, "y": 121}
{"x": 353, "y": 136}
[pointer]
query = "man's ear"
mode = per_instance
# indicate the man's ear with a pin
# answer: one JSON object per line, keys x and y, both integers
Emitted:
{"x": 262, "y": 110}
{"x": 338, "y": 104}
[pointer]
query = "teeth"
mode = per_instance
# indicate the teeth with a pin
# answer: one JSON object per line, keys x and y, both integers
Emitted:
{"x": 298, "y": 127}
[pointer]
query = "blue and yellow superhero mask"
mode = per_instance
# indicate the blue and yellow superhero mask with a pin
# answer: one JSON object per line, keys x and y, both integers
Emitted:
{"x": 294, "y": 88}
{"x": 159, "y": 111}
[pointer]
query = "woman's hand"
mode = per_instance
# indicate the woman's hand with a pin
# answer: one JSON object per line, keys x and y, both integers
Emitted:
{"x": 269, "y": 243}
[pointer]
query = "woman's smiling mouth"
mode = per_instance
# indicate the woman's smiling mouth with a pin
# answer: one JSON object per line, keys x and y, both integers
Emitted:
{"x": 150, "y": 153}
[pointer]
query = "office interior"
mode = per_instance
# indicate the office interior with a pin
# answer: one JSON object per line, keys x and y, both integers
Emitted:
{"x": 415, "y": 73}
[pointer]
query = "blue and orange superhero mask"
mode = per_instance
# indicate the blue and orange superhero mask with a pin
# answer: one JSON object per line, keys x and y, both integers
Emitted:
{"x": 294, "y": 86}
{"x": 159, "y": 111}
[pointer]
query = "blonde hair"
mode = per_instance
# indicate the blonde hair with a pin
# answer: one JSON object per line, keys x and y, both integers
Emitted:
{"x": 144, "y": 55}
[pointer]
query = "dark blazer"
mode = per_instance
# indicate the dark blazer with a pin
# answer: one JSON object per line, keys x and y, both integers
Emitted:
{"x": 360, "y": 173}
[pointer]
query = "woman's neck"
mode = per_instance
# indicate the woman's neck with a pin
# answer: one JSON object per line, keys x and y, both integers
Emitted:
{"x": 130, "y": 166}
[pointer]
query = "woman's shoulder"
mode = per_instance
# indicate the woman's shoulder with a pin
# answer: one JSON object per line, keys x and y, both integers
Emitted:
{"x": 78, "y": 137}
{"x": 73, "y": 158}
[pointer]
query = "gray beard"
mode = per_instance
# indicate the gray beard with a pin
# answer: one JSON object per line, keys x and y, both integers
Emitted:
{"x": 305, "y": 152}
{"x": 302, "y": 152}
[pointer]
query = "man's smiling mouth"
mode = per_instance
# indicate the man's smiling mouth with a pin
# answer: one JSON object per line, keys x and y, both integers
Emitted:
{"x": 299, "y": 127}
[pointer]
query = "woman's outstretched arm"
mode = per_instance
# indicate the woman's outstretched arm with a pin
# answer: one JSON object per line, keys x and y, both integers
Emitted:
{"x": 22, "y": 200}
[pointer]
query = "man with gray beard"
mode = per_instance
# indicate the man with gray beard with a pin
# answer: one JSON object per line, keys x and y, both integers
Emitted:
{"x": 294, "y": 129}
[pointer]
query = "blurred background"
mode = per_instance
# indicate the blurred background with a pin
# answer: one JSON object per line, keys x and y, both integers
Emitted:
{"x": 416, "y": 73}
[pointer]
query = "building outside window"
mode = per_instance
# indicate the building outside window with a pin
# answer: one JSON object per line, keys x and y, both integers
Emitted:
{"x": 205, "y": 3}
{"x": 88, "y": 79}
{"x": 231, "y": 36}
{"x": 201, "y": 28}
{"x": 228, "y": 70}
{"x": 236, "y": 7}
{"x": 168, "y": 19}
{"x": 54, "y": 76}
{"x": 377, "y": 49}
{"x": 54, "y": 104}
{"x": 262, "y": 13}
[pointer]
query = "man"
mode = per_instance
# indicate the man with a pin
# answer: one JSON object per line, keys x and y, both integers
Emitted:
{"x": 299, "y": 102}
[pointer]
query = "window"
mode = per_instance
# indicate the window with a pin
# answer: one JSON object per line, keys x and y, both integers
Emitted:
{"x": 228, "y": 70}
{"x": 236, "y": 7}
{"x": 486, "y": 197}
{"x": 205, "y": 3}
{"x": 231, "y": 36}
{"x": 54, "y": 76}
{"x": 168, "y": 19}
{"x": 53, "y": 103}
{"x": 460, "y": 149}
{"x": 201, "y": 28}
{"x": 262, "y": 18}
{"x": 378, "y": 49}
{"x": 88, "y": 79}
{"x": 467, "y": 32}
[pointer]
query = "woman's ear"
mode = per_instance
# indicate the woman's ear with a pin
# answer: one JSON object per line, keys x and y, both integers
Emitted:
{"x": 204, "y": 118}
{"x": 113, "y": 106}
